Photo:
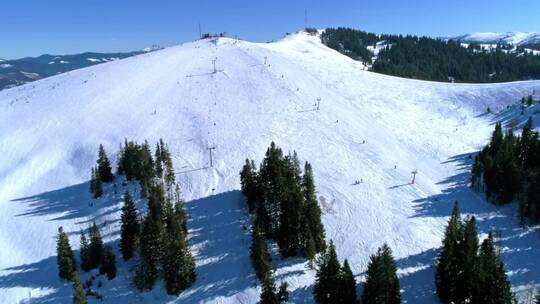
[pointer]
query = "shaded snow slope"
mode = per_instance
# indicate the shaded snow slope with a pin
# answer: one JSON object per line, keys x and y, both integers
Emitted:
{"x": 370, "y": 127}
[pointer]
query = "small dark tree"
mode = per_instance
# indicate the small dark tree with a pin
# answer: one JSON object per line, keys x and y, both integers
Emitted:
{"x": 348, "y": 285}
{"x": 64, "y": 256}
{"x": 327, "y": 280}
{"x": 95, "y": 184}
{"x": 108, "y": 263}
{"x": 95, "y": 249}
{"x": 129, "y": 228}
{"x": 260, "y": 258}
{"x": 491, "y": 284}
{"x": 382, "y": 283}
{"x": 85, "y": 253}
{"x": 150, "y": 252}
{"x": 104, "y": 166}
{"x": 448, "y": 261}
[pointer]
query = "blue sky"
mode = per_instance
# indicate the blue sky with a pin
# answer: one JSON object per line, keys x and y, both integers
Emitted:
{"x": 33, "y": 27}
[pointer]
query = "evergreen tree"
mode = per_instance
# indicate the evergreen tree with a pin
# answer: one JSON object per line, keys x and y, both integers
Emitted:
{"x": 327, "y": 280}
{"x": 85, "y": 253}
{"x": 178, "y": 264}
{"x": 312, "y": 211}
{"x": 382, "y": 283}
{"x": 79, "y": 296}
{"x": 129, "y": 228}
{"x": 95, "y": 183}
{"x": 491, "y": 283}
{"x": 104, "y": 166}
{"x": 150, "y": 253}
{"x": 348, "y": 285}
{"x": 95, "y": 249}
{"x": 179, "y": 211}
{"x": 448, "y": 262}
{"x": 468, "y": 260}
{"x": 108, "y": 263}
{"x": 64, "y": 256}
{"x": 537, "y": 299}
{"x": 248, "y": 180}
{"x": 260, "y": 258}
{"x": 269, "y": 295}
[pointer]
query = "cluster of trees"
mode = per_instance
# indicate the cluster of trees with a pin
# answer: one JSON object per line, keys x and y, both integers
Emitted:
{"x": 101, "y": 173}
{"x": 335, "y": 283}
{"x": 284, "y": 203}
{"x": 93, "y": 254}
{"x": 159, "y": 238}
{"x": 350, "y": 42}
{"x": 467, "y": 272}
{"x": 162, "y": 243}
{"x": 434, "y": 59}
{"x": 508, "y": 168}
{"x": 136, "y": 162}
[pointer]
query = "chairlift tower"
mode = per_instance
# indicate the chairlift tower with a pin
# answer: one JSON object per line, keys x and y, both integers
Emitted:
{"x": 414, "y": 172}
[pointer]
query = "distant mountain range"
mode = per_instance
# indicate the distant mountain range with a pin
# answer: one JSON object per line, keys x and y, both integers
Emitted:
{"x": 521, "y": 39}
{"x": 20, "y": 71}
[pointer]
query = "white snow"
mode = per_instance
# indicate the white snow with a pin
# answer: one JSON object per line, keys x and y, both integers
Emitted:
{"x": 50, "y": 131}
{"x": 513, "y": 38}
{"x": 5, "y": 65}
{"x": 94, "y": 60}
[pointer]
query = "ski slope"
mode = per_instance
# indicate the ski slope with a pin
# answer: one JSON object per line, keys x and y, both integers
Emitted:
{"x": 369, "y": 127}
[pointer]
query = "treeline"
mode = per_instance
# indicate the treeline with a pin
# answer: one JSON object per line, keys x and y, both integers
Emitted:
{"x": 159, "y": 238}
{"x": 434, "y": 59}
{"x": 284, "y": 203}
{"x": 466, "y": 271}
{"x": 508, "y": 169}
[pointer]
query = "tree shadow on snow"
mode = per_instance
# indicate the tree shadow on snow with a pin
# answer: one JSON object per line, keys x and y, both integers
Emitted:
{"x": 220, "y": 240}
{"x": 520, "y": 246}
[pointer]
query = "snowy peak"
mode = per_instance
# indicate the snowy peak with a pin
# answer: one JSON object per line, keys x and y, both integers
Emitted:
{"x": 510, "y": 38}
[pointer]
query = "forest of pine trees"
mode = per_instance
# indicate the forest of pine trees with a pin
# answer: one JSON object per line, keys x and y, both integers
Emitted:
{"x": 467, "y": 272}
{"x": 508, "y": 169}
{"x": 434, "y": 59}
{"x": 159, "y": 239}
{"x": 283, "y": 201}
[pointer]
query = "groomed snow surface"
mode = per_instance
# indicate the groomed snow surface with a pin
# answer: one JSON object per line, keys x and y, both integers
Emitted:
{"x": 370, "y": 127}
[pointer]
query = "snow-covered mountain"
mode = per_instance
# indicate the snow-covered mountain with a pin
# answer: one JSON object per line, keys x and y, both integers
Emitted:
{"x": 369, "y": 127}
{"x": 20, "y": 71}
{"x": 510, "y": 38}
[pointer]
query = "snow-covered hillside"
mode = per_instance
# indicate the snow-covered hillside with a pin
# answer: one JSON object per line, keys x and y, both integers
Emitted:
{"x": 512, "y": 38}
{"x": 370, "y": 127}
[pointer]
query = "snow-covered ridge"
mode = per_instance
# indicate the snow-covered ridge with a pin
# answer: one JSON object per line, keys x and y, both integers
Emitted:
{"x": 511, "y": 38}
{"x": 369, "y": 127}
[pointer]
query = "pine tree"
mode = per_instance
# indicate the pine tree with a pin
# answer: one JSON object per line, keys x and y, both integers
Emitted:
{"x": 260, "y": 258}
{"x": 104, "y": 166}
{"x": 64, "y": 256}
{"x": 537, "y": 299}
{"x": 180, "y": 211}
{"x": 95, "y": 184}
{"x": 108, "y": 263}
{"x": 178, "y": 264}
{"x": 327, "y": 280}
{"x": 150, "y": 253}
{"x": 269, "y": 295}
{"x": 312, "y": 211}
{"x": 491, "y": 283}
{"x": 448, "y": 261}
{"x": 382, "y": 283}
{"x": 85, "y": 253}
{"x": 95, "y": 249}
{"x": 469, "y": 250}
{"x": 348, "y": 285}
{"x": 79, "y": 296}
{"x": 129, "y": 228}
{"x": 248, "y": 181}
